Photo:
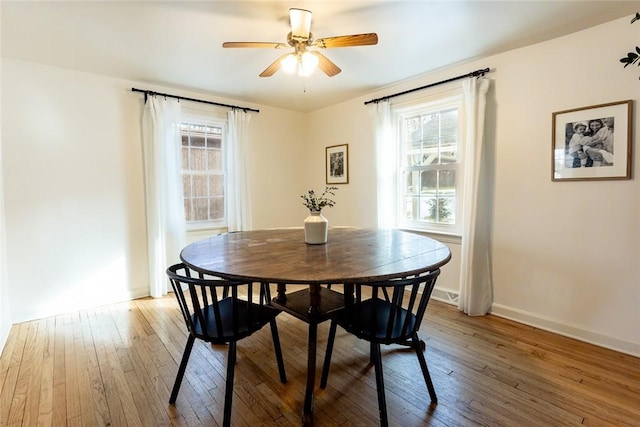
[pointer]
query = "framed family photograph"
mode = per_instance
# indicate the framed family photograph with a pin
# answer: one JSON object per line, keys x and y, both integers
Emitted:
{"x": 337, "y": 164}
{"x": 592, "y": 143}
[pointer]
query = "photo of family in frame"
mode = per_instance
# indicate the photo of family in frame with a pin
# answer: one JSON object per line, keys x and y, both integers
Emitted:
{"x": 592, "y": 142}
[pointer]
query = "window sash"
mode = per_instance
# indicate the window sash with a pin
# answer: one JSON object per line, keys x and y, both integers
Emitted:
{"x": 421, "y": 208}
{"x": 203, "y": 174}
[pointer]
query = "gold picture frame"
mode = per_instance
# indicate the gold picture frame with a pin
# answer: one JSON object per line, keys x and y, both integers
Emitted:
{"x": 583, "y": 142}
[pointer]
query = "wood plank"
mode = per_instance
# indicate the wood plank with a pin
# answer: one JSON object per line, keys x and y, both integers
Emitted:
{"x": 72, "y": 391}
{"x": 10, "y": 361}
{"x": 21, "y": 391}
{"x": 45, "y": 409}
{"x": 115, "y": 393}
{"x": 87, "y": 406}
{"x": 59, "y": 416}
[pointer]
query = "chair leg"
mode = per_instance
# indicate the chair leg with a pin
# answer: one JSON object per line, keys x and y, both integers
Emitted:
{"x": 327, "y": 354}
{"x": 382, "y": 401}
{"x": 228, "y": 390}
{"x": 425, "y": 370}
{"x": 182, "y": 368}
{"x": 278, "y": 350}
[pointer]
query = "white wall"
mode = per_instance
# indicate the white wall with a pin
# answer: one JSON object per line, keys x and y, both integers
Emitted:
{"x": 5, "y": 318}
{"x": 565, "y": 254}
{"x": 74, "y": 191}
{"x": 279, "y": 142}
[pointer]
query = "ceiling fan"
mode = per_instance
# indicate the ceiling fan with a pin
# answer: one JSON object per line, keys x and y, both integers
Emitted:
{"x": 303, "y": 59}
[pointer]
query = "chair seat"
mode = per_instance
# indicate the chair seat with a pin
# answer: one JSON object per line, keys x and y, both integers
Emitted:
{"x": 383, "y": 328}
{"x": 234, "y": 321}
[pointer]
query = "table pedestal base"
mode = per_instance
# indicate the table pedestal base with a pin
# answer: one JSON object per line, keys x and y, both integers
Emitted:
{"x": 314, "y": 306}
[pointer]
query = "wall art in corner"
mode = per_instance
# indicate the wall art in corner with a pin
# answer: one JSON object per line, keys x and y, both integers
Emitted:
{"x": 337, "y": 164}
{"x": 592, "y": 143}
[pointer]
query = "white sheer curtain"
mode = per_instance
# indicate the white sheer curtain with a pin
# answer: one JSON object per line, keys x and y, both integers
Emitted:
{"x": 166, "y": 233}
{"x": 385, "y": 164}
{"x": 476, "y": 289}
{"x": 238, "y": 201}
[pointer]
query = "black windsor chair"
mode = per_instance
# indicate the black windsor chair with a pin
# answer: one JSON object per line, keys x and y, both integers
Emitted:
{"x": 214, "y": 312}
{"x": 392, "y": 315}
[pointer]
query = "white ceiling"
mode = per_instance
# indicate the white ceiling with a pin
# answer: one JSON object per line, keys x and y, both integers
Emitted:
{"x": 179, "y": 44}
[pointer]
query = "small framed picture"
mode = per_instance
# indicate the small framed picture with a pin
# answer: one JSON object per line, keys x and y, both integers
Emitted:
{"x": 592, "y": 143}
{"x": 337, "y": 164}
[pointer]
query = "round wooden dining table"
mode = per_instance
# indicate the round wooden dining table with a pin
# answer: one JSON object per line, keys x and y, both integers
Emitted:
{"x": 281, "y": 257}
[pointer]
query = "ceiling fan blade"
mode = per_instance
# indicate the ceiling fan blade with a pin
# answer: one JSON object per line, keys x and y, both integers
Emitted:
{"x": 325, "y": 64}
{"x": 271, "y": 69}
{"x": 272, "y": 45}
{"x": 346, "y": 41}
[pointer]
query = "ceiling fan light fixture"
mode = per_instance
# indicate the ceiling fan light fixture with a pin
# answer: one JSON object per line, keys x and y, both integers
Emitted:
{"x": 300, "y": 23}
{"x": 289, "y": 63}
{"x": 303, "y": 61}
{"x": 308, "y": 63}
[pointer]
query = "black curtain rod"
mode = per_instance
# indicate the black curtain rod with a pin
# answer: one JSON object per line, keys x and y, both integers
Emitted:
{"x": 150, "y": 92}
{"x": 477, "y": 73}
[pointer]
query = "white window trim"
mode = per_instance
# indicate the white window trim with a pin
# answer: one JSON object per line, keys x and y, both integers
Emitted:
{"x": 213, "y": 117}
{"x": 446, "y": 98}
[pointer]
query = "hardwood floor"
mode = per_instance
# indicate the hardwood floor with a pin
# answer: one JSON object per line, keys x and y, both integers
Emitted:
{"x": 115, "y": 365}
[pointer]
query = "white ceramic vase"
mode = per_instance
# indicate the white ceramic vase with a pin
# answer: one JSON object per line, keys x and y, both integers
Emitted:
{"x": 316, "y": 228}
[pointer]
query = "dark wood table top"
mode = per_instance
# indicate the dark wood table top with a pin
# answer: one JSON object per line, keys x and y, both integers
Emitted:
{"x": 350, "y": 255}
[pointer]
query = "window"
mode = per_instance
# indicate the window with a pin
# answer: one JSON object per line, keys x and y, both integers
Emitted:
{"x": 203, "y": 179}
{"x": 430, "y": 168}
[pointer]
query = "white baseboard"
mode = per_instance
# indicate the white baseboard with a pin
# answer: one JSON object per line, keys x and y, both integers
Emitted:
{"x": 590, "y": 337}
{"x": 125, "y": 295}
{"x": 627, "y": 347}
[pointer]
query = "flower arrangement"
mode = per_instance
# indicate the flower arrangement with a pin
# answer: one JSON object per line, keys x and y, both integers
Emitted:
{"x": 314, "y": 203}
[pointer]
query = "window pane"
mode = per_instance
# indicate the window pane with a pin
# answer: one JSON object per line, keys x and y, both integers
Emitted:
{"x": 449, "y": 137}
{"x": 412, "y": 134}
{"x": 216, "y": 208}
{"x": 412, "y": 183}
{"x": 187, "y": 210}
{"x": 199, "y": 186}
{"x": 430, "y": 157}
{"x": 430, "y": 160}
{"x": 185, "y": 158}
{"x": 430, "y": 130}
{"x": 214, "y": 141}
{"x": 437, "y": 210}
{"x": 429, "y": 182}
{"x": 198, "y": 159}
{"x": 197, "y": 140}
{"x": 215, "y": 159}
{"x": 427, "y": 212}
{"x": 186, "y": 186}
{"x": 216, "y": 185}
{"x": 202, "y": 172}
{"x": 447, "y": 209}
{"x": 411, "y": 207}
{"x": 200, "y": 209}
{"x": 447, "y": 180}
